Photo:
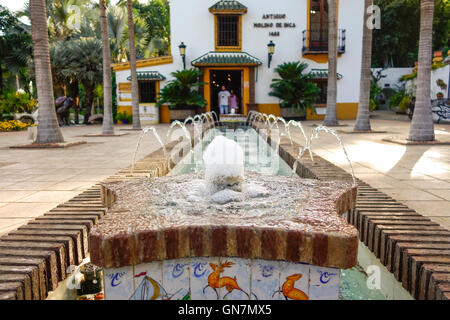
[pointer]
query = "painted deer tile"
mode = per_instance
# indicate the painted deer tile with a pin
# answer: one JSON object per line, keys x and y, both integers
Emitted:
{"x": 324, "y": 283}
{"x": 148, "y": 282}
{"x": 200, "y": 272}
{"x": 176, "y": 279}
{"x": 265, "y": 280}
{"x": 118, "y": 283}
{"x": 294, "y": 281}
{"x": 232, "y": 276}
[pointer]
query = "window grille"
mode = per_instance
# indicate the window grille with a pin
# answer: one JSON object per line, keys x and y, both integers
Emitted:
{"x": 147, "y": 91}
{"x": 227, "y": 30}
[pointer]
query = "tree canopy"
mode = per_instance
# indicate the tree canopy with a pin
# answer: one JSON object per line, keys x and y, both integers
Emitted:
{"x": 396, "y": 44}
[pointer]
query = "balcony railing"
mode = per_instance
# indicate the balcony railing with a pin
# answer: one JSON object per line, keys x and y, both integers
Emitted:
{"x": 316, "y": 41}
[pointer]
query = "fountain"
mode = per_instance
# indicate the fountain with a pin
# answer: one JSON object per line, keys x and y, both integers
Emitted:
{"x": 183, "y": 236}
{"x": 158, "y": 138}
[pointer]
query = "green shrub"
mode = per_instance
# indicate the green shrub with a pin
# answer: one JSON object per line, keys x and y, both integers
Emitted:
{"x": 16, "y": 102}
{"x": 403, "y": 105}
{"x": 295, "y": 88}
{"x": 399, "y": 99}
{"x": 121, "y": 116}
{"x": 182, "y": 92}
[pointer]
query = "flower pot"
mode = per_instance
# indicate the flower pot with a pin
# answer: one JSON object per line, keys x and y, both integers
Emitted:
{"x": 124, "y": 121}
{"x": 119, "y": 122}
{"x": 181, "y": 113}
{"x": 293, "y": 114}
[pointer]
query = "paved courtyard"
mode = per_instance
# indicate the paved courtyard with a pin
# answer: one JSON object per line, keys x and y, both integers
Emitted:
{"x": 35, "y": 181}
{"x": 417, "y": 175}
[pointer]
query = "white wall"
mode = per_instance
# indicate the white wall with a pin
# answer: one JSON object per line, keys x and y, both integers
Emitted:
{"x": 441, "y": 73}
{"x": 392, "y": 76}
{"x": 193, "y": 24}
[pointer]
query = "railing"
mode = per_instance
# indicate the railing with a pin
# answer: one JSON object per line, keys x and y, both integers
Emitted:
{"x": 316, "y": 41}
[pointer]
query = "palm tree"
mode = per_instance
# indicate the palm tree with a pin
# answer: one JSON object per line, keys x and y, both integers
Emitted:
{"x": 108, "y": 125}
{"x": 422, "y": 126}
{"x": 362, "y": 120}
{"x": 85, "y": 64}
{"x": 331, "y": 115}
{"x": 48, "y": 130}
{"x": 134, "y": 81}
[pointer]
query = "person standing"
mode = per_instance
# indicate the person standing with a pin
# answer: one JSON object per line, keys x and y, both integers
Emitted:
{"x": 233, "y": 102}
{"x": 224, "y": 95}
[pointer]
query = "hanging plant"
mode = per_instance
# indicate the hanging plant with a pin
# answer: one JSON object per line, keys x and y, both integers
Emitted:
{"x": 441, "y": 84}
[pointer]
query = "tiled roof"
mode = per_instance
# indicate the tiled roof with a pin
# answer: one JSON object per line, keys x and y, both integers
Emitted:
{"x": 226, "y": 58}
{"x": 322, "y": 74}
{"x": 148, "y": 75}
{"x": 227, "y": 6}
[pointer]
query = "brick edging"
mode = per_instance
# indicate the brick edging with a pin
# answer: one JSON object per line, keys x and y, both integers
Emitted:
{"x": 34, "y": 258}
{"x": 411, "y": 246}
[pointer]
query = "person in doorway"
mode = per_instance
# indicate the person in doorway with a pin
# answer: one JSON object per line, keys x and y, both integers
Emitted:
{"x": 234, "y": 106}
{"x": 224, "y": 95}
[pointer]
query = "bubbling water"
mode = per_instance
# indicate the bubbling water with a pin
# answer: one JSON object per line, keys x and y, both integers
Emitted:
{"x": 224, "y": 165}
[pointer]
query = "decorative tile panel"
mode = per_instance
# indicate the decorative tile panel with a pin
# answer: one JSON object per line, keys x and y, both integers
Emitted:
{"x": 202, "y": 287}
{"x": 118, "y": 283}
{"x": 265, "y": 280}
{"x": 234, "y": 278}
{"x": 148, "y": 282}
{"x": 324, "y": 283}
{"x": 294, "y": 281}
{"x": 176, "y": 279}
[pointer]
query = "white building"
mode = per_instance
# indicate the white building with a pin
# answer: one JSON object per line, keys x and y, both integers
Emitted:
{"x": 228, "y": 41}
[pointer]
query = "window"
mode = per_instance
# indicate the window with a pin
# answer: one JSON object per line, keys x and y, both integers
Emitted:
{"x": 228, "y": 31}
{"x": 323, "y": 86}
{"x": 318, "y": 25}
{"x": 147, "y": 91}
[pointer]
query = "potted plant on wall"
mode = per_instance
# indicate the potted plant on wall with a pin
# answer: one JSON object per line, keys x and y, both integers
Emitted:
{"x": 181, "y": 94}
{"x": 294, "y": 89}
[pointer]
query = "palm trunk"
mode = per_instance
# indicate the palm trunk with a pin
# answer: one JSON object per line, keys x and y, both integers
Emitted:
{"x": 74, "y": 91}
{"x": 108, "y": 125}
{"x": 1, "y": 79}
{"x": 89, "y": 98}
{"x": 422, "y": 126}
{"x": 362, "y": 120}
{"x": 331, "y": 115}
{"x": 48, "y": 130}
{"x": 134, "y": 81}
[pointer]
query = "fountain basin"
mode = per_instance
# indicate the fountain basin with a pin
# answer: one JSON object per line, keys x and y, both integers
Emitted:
{"x": 172, "y": 217}
{"x": 172, "y": 221}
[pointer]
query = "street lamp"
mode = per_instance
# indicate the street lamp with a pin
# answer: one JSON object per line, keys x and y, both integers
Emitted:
{"x": 271, "y": 49}
{"x": 182, "y": 48}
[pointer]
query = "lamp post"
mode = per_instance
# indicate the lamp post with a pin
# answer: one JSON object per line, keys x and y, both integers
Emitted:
{"x": 182, "y": 48}
{"x": 271, "y": 49}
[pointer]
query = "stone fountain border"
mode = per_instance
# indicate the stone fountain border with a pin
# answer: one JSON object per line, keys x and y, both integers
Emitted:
{"x": 412, "y": 247}
{"x": 34, "y": 257}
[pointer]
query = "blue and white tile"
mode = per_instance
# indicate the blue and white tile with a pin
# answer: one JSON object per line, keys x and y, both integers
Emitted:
{"x": 324, "y": 283}
{"x": 118, "y": 283}
{"x": 265, "y": 280}
{"x": 200, "y": 270}
{"x": 176, "y": 278}
{"x": 236, "y": 278}
{"x": 294, "y": 281}
{"x": 148, "y": 282}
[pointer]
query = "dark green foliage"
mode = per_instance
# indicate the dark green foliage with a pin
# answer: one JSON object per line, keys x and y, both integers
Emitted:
{"x": 15, "y": 47}
{"x": 183, "y": 91}
{"x": 397, "y": 42}
{"x": 16, "y": 102}
{"x": 294, "y": 88}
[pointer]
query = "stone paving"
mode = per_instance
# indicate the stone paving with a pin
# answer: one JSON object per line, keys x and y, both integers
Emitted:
{"x": 416, "y": 175}
{"x": 35, "y": 181}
